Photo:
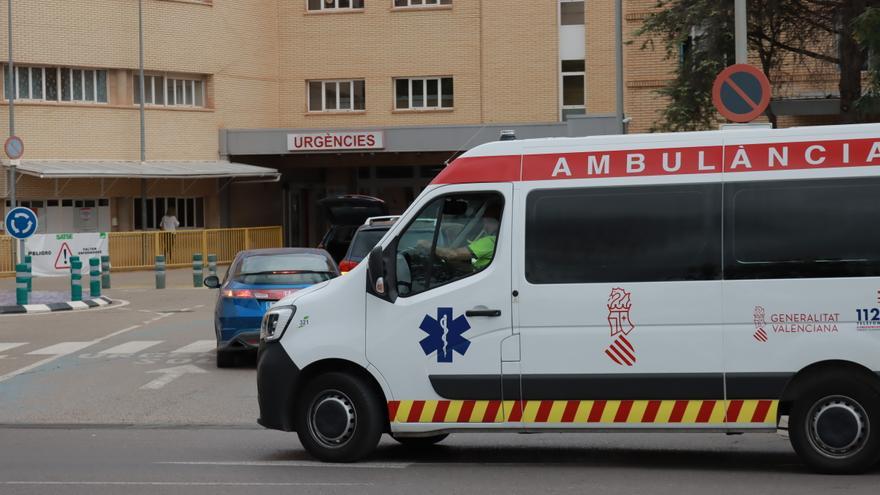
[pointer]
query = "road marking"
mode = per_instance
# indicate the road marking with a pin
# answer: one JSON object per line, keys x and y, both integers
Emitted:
{"x": 61, "y": 348}
{"x": 178, "y": 483}
{"x": 197, "y": 347}
{"x": 48, "y": 360}
{"x": 132, "y": 347}
{"x": 5, "y": 346}
{"x": 310, "y": 464}
{"x": 169, "y": 375}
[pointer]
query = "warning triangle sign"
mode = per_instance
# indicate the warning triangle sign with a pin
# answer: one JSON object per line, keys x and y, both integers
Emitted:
{"x": 62, "y": 261}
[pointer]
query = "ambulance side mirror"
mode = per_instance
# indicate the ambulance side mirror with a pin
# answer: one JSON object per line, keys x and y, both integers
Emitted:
{"x": 380, "y": 281}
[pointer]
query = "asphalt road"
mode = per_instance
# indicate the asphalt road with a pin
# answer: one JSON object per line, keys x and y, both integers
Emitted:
{"x": 128, "y": 400}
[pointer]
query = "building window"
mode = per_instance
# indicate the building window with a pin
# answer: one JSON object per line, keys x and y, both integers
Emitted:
{"x": 160, "y": 90}
{"x": 623, "y": 234}
{"x": 423, "y": 93}
{"x": 190, "y": 212}
{"x": 57, "y": 84}
{"x": 336, "y": 96}
{"x": 335, "y": 4}
{"x": 154, "y": 90}
{"x": 573, "y": 77}
{"x": 421, "y": 3}
{"x": 571, "y": 13}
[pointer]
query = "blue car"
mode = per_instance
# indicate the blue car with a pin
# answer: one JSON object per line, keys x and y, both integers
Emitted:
{"x": 256, "y": 279}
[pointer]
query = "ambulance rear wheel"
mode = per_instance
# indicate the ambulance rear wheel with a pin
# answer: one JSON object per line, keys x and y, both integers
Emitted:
{"x": 421, "y": 442}
{"x": 835, "y": 426}
{"x": 339, "y": 418}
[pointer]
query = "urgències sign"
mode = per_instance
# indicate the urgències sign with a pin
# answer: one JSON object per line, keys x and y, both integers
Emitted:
{"x": 329, "y": 141}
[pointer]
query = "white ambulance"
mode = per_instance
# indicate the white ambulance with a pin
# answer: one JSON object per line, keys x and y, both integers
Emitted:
{"x": 721, "y": 281}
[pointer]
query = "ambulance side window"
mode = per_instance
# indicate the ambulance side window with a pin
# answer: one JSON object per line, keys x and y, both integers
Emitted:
{"x": 453, "y": 237}
{"x": 623, "y": 234}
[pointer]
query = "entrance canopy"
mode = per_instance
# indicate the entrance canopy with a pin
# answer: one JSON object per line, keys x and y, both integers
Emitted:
{"x": 96, "y": 169}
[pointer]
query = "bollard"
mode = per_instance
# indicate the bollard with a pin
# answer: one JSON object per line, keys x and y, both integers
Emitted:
{"x": 30, "y": 273}
{"x": 76, "y": 290}
{"x": 21, "y": 278}
{"x": 212, "y": 265}
{"x": 160, "y": 272}
{"x": 197, "y": 269}
{"x": 94, "y": 277}
{"x": 105, "y": 271}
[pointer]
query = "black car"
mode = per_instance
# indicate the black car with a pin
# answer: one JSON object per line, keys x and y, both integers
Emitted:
{"x": 346, "y": 213}
{"x": 365, "y": 238}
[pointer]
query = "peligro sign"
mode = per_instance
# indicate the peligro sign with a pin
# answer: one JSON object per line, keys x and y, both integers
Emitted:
{"x": 328, "y": 141}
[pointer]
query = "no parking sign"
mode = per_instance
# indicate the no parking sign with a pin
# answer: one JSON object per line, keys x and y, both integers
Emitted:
{"x": 741, "y": 93}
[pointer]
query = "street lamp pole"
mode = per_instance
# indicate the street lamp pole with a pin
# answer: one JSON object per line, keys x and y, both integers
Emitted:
{"x": 739, "y": 29}
{"x": 143, "y": 119}
{"x": 618, "y": 59}
{"x": 10, "y": 90}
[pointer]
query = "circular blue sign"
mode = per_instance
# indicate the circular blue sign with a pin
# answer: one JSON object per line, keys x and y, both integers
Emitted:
{"x": 21, "y": 222}
{"x": 14, "y": 147}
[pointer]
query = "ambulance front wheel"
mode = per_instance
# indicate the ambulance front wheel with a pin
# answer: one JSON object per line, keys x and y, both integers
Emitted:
{"x": 835, "y": 425}
{"x": 421, "y": 442}
{"x": 339, "y": 418}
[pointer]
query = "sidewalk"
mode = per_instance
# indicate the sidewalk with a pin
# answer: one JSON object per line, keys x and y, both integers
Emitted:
{"x": 174, "y": 279}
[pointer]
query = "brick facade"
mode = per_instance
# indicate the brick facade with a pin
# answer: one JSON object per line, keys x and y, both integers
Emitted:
{"x": 256, "y": 57}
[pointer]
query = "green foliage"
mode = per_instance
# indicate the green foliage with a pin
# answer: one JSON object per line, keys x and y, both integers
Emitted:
{"x": 698, "y": 38}
{"x": 866, "y": 30}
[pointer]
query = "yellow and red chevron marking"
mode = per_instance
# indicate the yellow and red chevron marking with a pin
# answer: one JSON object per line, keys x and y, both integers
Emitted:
{"x": 584, "y": 411}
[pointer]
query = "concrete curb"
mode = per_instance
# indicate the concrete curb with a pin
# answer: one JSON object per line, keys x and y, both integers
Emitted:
{"x": 60, "y": 306}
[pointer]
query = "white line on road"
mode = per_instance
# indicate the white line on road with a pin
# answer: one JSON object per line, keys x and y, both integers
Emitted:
{"x": 5, "y": 346}
{"x": 176, "y": 483}
{"x": 132, "y": 347}
{"x": 169, "y": 375}
{"x": 61, "y": 348}
{"x": 198, "y": 346}
{"x": 32, "y": 366}
{"x": 310, "y": 464}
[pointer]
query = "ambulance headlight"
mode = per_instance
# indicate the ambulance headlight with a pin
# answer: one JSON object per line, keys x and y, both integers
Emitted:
{"x": 275, "y": 322}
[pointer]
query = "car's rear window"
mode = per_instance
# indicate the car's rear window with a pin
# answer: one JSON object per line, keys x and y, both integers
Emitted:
{"x": 284, "y": 269}
{"x": 363, "y": 242}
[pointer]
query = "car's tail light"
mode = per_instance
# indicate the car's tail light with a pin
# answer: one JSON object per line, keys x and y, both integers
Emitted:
{"x": 347, "y": 266}
{"x": 238, "y": 293}
{"x": 263, "y": 295}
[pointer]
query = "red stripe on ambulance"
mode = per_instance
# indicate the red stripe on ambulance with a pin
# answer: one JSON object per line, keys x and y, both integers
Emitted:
{"x": 664, "y": 161}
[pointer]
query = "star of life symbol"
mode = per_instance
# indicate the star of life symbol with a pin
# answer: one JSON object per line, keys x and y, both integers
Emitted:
{"x": 445, "y": 335}
{"x": 621, "y": 350}
{"x": 760, "y": 322}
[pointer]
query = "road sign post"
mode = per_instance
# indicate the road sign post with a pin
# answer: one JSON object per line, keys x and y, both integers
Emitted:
{"x": 741, "y": 93}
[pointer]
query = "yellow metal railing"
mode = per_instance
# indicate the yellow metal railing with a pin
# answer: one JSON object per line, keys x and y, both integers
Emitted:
{"x": 7, "y": 263}
{"x": 138, "y": 250}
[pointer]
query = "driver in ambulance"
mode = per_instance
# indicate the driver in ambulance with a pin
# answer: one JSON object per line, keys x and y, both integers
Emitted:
{"x": 481, "y": 250}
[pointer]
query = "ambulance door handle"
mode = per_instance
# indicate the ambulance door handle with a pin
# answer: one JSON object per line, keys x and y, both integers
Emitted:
{"x": 483, "y": 312}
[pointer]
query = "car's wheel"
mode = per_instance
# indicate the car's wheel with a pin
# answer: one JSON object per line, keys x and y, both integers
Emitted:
{"x": 225, "y": 359}
{"x": 339, "y": 418}
{"x": 421, "y": 442}
{"x": 835, "y": 425}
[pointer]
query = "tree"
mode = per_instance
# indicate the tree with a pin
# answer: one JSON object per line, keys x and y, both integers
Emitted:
{"x": 866, "y": 29}
{"x": 792, "y": 31}
{"x": 699, "y": 35}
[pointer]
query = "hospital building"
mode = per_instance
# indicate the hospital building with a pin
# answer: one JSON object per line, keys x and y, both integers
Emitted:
{"x": 255, "y": 109}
